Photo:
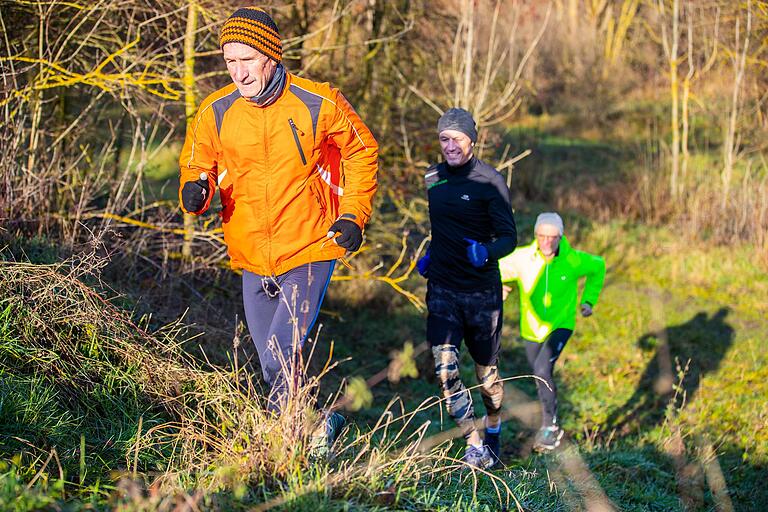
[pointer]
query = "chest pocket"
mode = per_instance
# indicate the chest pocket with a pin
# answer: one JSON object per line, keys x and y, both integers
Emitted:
{"x": 296, "y": 131}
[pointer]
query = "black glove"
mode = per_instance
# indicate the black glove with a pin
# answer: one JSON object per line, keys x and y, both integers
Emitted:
{"x": 350, "y": 235}
{"x": 194, "y": 194}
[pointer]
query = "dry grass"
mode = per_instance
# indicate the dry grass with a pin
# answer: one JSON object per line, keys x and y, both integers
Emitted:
{"x": 700, "y": 213}
{"x": 218, "y": 435}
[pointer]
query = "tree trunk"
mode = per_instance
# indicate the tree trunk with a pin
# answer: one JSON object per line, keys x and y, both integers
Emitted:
{"x": 190, "y": 104}
{"x": 675, "y": 89}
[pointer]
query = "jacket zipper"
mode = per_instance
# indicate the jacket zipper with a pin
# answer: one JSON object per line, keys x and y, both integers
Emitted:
{"x": 546, "y": 285}
{"x": 296, "y": 139}
{"x": 266, "y": 194}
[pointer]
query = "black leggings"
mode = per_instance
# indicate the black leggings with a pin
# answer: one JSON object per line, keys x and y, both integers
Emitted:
{"x": 542, "y": 358}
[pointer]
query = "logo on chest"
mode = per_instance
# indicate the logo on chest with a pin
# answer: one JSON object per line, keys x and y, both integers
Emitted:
{"x": 465, "y": 197}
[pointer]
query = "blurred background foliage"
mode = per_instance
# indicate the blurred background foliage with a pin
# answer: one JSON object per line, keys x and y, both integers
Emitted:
{"x": 643, "y": 122}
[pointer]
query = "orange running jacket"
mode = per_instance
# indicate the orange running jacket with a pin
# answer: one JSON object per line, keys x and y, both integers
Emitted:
{"x": 284, "y": 172}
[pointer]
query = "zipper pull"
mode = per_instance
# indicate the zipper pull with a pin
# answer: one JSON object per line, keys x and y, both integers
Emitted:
{"x": 293, "y": 125}
{"x": 297, "y": 141}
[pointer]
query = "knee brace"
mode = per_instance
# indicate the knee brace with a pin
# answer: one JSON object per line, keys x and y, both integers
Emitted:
{"x": 491, "y": 387}
{"x": 458, "y": 400}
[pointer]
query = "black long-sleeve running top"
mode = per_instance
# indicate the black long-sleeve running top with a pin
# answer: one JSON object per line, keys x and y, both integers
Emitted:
{"x": 469, "y": 201}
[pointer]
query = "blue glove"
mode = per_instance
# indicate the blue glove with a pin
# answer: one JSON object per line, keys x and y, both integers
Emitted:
{"x": 477, "y": 254}
{"x": 423, "y": 265}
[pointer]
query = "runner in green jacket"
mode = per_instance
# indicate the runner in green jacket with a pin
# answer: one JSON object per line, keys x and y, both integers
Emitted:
{"x": 547, "y": 273}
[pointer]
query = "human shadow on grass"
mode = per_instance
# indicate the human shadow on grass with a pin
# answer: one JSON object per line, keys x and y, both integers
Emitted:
{"x": 639, "y": 477}
{"x": 691, "y": 350}
{"x": 633, "y": 477}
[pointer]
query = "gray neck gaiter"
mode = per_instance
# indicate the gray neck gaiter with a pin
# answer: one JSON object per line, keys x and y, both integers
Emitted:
{"x": 273, "y": 90}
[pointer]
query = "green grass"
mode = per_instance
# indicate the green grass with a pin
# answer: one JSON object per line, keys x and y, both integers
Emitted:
{"x": 101, "y": 408}
{"x": 709, "y": 302}
{"x": 161, "y": 172}
{"x": 83, "y": 399}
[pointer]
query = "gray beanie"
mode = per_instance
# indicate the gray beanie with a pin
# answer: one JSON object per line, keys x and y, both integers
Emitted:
{"x": 460, "y": 120}
{"x": 551, "y": 219}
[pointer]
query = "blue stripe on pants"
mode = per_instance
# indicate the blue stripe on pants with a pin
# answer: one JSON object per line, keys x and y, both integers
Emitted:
{"x": 280, "y": 312}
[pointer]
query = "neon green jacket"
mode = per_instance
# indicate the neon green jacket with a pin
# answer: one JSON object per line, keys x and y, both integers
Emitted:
{"x": 548, "y": 290}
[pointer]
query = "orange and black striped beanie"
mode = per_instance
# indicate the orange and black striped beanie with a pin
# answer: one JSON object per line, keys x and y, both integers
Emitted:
{"x": 254, "y": 27}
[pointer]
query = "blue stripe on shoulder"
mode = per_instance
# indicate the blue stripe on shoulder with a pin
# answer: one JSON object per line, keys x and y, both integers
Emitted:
{"x": 312, "y": 102}
{"x": 221, "y": 105}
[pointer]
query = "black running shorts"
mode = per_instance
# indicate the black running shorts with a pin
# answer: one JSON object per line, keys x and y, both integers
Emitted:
{"x": 475, "y": 317}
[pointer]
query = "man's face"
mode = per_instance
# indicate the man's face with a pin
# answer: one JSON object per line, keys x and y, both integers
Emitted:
{"x": 548, "y": 239}
{"x": 250, "y": 69}
{"x": 456, "y": 147}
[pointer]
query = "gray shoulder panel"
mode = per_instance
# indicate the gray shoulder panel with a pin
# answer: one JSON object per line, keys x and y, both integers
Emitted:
{"x": 313, "y": 103}
{"x": 494, "y": 178}
{"x": 221, "y": 105}
{"x": 488, "y": 173}
{"x": 486, "y": 168}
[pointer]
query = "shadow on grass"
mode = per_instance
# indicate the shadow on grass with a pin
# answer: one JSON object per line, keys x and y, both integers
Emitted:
{"x": 641, "y": 478}
{"x": 689, "y": 350}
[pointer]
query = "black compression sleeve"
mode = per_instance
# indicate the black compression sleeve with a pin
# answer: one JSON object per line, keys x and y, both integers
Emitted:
{"x": 503, "y": 221}
{"x": 502, "y": 246}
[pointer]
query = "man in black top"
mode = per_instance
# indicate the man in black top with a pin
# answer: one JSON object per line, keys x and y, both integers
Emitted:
{"x": 472, "y": 228}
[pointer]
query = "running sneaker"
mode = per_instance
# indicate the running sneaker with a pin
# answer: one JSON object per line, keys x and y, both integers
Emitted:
{"x": 548, "y": 438}
{"x": 325, "y": 435}
{"x": 480, "y": 458}
{"x": 334, "y": 423}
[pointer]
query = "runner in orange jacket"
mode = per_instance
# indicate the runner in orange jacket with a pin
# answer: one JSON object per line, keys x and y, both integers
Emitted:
{"x": 296, "y": 172}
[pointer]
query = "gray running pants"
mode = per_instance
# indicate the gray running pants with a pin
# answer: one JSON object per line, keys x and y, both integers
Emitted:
{"x": 542, "y": 358}
{"x": 280, "y": 312}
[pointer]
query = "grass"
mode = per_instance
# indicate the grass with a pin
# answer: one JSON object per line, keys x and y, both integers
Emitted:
{"x": 90, "y": 396}
{"x": 101, "y": 411}
{"x": 709, "y": 306}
